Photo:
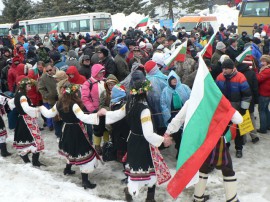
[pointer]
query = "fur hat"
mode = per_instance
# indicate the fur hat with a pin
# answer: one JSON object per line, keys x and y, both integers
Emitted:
{"x": 266, "y": 58}
{"x": 220, "y": 45}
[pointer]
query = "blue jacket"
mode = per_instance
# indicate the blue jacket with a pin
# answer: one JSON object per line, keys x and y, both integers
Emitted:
{"x": 166, "y": 97}
{"x": 256, "y": 53}
{"x": 158, "y": 81}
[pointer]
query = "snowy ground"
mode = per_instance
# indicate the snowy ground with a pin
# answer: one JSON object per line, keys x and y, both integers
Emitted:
{"x": 20, "y": 182}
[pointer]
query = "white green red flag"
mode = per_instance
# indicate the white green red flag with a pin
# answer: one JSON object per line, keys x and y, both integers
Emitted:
{"x": 109, "y": 36}
{"x": 208, "y": 115}
{"x": 179, "y": 54}
{"x": 207, "y": 52}
{"x": 54, "y": 29}
{"x": 143, "y": 22}
{"x": 240, "y": 58}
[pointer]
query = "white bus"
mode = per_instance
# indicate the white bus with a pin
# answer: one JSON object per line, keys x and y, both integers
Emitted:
{"x": 5, "y": 30}
{"x": 92, "y": 23}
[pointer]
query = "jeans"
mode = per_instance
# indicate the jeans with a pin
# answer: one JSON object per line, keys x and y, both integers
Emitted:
{"x": 58, "y": 128}
{"x": 264, "y": 113}
{"x": 49, "y": 120}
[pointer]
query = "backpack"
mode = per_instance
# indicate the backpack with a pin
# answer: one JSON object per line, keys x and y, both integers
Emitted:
{"x": 91, "y": 86}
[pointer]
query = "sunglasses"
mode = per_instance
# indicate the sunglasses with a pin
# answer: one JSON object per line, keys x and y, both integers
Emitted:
{"x": 49, "y": 70}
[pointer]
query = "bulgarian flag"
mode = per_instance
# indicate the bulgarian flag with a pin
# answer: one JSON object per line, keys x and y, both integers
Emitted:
{"x": 240, "y": 58}
{"x": 109, "y": 36}
{"x": 54, "y": 29}
{"x": 207, "y": 52}
{"x": 208, "y": 115}
{"x": 142, "y": 23}
{"x": 179, "y": 54}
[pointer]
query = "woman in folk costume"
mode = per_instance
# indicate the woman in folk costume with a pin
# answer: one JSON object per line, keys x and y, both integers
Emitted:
{"x": 27, "y": 134}
{"x": 141, "y": 165}
{"x": 74, "y": 143}
{"x": 219, "y": 158}
{"x": 3, "y": 131}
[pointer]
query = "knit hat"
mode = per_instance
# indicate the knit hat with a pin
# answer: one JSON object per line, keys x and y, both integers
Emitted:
{"x": 118, "y": 93}
{"x": 158, "y": 58}
{"x": 228, "y": 64}
{"x": 220, "y": 45}
{"x": 137, "y": 79}
{"x": 16, "y": 58}
{"x": 257, "y": 35}
{"x": 149, "y": 66}
{"x": 223, "y": 57}
{"x": 123, "y": 50}
{"x": 61, "y": 75}
{"x": 85, "y": 57}
{"x": 149, "y": 46}
{"x": 104, "y": 51}
{"x": 266, "y": 58}
{"x": 142, "y": 45}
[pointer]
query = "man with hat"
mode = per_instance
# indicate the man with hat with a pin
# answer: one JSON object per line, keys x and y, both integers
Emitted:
{"x": 43, "y": 52}
{"x": 235, "y": 88}
{"x": 121, "y": 64}
{"x": 106, "y": 60}
{"x": 159, "y": 41}
{"x": 85, "y": 68}
{"x": 231, "y": 50}
{"x": 220, "y": 50}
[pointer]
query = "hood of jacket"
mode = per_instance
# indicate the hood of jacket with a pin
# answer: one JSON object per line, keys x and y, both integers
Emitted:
{"x": 96, "y": 69}
{"x": 173, "y": 74}
{"x": 73, "y": 70}
{"x": 20, "y": 69}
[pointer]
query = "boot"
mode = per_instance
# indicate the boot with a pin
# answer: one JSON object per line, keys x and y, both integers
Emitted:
{"x": 4, "y": 152}
{"x": 127, "y": 195}
{"x": 25, "y": 158}
{"x": 230, "y": 188}
{"x": 200, "y": 188}
{"x": 68, "y": 171}
{"x": 86, "y": 183}
{"x": 35, "y": 160}
{"x": 151, "y": 194}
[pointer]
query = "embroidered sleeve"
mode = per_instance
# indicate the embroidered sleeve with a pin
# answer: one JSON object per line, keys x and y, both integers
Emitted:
{"x": 86, "y": 118}
{"x": 117, "y": 115}
{"x": 178, "y": 120}
{"x": 48, "y": 113}
{"x": 31, "y": 111}
{"x": 148, "y": 131}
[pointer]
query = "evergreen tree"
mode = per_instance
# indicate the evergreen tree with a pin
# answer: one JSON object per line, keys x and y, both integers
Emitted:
{"x": 17, "y": 9}
{"x": 198, "y": 4}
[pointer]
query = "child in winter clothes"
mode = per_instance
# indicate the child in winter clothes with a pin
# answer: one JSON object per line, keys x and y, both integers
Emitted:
{"x": 91, "y": 91}
{"x": 105, "y": 99}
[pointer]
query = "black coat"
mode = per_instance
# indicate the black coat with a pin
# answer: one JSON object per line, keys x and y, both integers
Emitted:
{"x": 109, "y": 65}
{"x": 252, "y": 82}
{"x": 85, "y": 71}
{"x": 232, "y": 53}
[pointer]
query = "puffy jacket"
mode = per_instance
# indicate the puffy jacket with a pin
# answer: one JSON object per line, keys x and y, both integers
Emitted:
{"x": 92, "y": 89}
{"x": 34, "y": 94}
{"x": 236, "y": 89}
{"x": 182, "y": 90}
{"x": 264, "y": 82}
{"x": 77, "y": 79}
{"x": 122, "y": 67}
{"x": 12, "y": 75}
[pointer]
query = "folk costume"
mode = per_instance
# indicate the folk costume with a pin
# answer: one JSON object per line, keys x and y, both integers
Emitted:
{"x": 219, "y": 158}
{"x": 27, "y": 138}
{"x": 3, "y": 131}
{"x": 143, "y": 158}
{"x": 74, "y": 144}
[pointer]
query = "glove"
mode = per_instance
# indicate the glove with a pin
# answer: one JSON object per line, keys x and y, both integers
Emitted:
{"x": 242, "y": 111}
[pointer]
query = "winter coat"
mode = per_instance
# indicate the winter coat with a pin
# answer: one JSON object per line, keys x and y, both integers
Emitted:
{"x": 77, "y": 79}
{"x": 216, "y": 56}
{"x": 189, "y": 80}
{"x": 182, "y": 90}
{"x": 184, "y": 69}
{"x": 34, "y": 94}
{"x": 47, "y": 88}
{"x": 122, "y": 67}
{"x": 4, "y": 78}
{"x": 256, "y": 53}
{"x": 110, "y": 66}
{"x": 158, "y": 82}
{"x": 264, "y": 82}
{"x": 105, "y": 97}
{"x": 12, "y": 75}
{"x": 252, "y": 82}
{"x": 232, "y": 53}
{"x": 20, "y": 73}
{"x": 61, "y": 65}
{"x": 85, "y": 71}
{"x": 90, "y": 97}
{"x": 216, "y": 70}
{"x": 236, "y": 89}
{"x": 43, "y": 55}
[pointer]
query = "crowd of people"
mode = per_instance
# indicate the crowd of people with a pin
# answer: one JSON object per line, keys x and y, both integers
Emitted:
{"x": 110, "y": 101}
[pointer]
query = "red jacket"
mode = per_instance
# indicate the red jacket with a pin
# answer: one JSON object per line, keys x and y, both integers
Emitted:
{"x": 264, "y": 82}
{"x": 34, "y": 94}
{"x": 77, "y": 79}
